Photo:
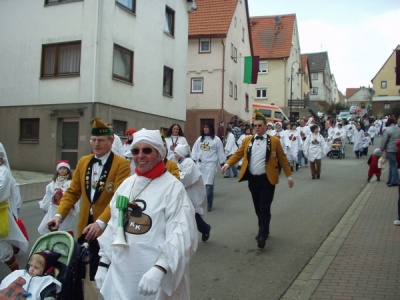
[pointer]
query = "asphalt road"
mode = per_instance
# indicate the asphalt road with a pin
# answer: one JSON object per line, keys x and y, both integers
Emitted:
{"x": 229, "y": 265}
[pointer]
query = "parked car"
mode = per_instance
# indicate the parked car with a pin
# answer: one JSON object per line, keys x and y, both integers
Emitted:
{"x": 343, "y": 115}
{"x": 355, "y": 110}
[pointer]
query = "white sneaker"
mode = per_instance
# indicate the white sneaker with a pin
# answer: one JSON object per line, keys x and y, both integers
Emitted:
{"x": 397, "y": 222}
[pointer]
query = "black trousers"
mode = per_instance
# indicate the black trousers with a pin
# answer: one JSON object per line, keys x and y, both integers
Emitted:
{"x": 262, "y": 192}
{"x": 202, "y": 226}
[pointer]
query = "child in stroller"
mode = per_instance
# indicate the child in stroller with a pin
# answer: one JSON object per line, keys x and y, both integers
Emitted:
{"x": 337, "y": 148}
{"x": 54, "y": 271}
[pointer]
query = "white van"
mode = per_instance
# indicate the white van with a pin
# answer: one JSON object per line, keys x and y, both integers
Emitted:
{"x": 271, "y": 112}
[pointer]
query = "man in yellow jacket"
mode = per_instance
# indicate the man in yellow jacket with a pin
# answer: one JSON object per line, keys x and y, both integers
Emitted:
{"x": 96, "y": 177}
{"x": 261, "y": 155}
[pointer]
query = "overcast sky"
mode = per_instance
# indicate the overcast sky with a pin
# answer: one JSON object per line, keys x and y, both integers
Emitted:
{"x": 359, "y": 35}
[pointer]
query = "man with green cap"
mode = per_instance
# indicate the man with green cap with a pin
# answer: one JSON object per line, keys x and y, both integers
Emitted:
{"x": 96, "y": 177}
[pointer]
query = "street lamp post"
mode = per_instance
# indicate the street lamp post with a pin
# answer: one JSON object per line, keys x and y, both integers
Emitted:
{"x": 291, "y": 86}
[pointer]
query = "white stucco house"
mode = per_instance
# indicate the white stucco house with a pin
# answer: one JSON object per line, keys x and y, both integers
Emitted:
{"x": 65, "y": 62}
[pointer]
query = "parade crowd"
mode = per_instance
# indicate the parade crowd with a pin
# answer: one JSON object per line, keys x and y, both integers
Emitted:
{"x": 144, "y": 200}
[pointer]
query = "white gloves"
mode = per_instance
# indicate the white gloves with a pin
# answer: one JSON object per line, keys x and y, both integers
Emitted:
{"x": 100, "y": 276}
{"x": 150, "y": 281}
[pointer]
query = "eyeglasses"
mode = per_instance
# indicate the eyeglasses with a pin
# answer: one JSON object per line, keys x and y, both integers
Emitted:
{"x": 257, "y": 125}
{"x": 135, "y": 151}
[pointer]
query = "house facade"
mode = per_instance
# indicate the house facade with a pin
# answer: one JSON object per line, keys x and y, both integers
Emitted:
{"x": 360, "y": 97}
{"x": 123, "y": 61}
{"x": 219, "y": 40}
{"x": 281, "y": 74}
{"x": 321, "y": 77}
{"x": 386, "y": 87}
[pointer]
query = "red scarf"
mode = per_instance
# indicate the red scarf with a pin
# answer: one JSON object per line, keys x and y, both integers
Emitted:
{"x": 157, "y": 171}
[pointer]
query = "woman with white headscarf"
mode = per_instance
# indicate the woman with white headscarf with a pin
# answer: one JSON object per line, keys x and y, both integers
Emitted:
{"x": 10, "y": 201}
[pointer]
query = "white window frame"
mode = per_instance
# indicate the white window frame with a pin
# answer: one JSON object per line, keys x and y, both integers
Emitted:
{"x": 314, "y": 76}
{"x": 230, "y": 88}
{"x": 204, "y": 42}
{"x": 314, "y": 91}
{"x": 386, "y": 106}
{"x": 194, "y": 89}
{"x": 384, "y": 84}
{"x": 261, "y": 93}
{"x": 261, "y": 69}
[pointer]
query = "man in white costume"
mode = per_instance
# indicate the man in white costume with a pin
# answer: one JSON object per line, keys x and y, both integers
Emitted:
{"x": 208, "y": 152}
{"x": 159, "y": 231}
{"x": 193, "y": 182}
{"x": 230, "y": 148}
{"x": 10, "y": 202}
{"x": 295, "y": 145}
{"x": 304, "y": 131}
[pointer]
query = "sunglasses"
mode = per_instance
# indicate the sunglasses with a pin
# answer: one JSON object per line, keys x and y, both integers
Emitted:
{"x": 135, "y": 151}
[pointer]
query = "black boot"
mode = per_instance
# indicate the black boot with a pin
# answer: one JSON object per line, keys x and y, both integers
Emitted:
{"x": 369, "y": 178}
{"x": 378, "y": 178}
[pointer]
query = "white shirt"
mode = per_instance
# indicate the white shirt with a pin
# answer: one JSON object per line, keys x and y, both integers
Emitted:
{"x": 257, "y": 159}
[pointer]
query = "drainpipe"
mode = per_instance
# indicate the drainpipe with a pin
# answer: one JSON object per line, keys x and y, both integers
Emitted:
{"x": 96, "y": 30}
{"x": 223, "y": 80}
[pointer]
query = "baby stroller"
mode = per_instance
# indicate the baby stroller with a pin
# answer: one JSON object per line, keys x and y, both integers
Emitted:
{"x": 337, "y": 149}
{"x": 70, "y": 267}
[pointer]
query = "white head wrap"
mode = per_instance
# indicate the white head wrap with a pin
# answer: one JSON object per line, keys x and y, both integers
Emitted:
{"x": 3, "y": 155}
{"x": 182, "y": 150}
{"x": 152, "y": 137}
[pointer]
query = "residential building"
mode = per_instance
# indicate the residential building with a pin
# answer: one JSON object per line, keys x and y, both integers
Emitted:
{"x": 386, "y": 87}
{"x": 219, "y": 40}
{"x": 321, "y": 78}
{"x": 64, "y": 62}
{"x": 281, "y": 74}
{"x": 360, "y": 97}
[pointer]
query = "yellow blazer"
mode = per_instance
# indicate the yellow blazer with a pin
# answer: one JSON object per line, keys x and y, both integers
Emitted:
{"x": 118, "y": 172}
{"x": 271, "y": 166}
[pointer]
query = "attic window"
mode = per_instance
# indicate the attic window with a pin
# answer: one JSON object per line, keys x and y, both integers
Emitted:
{"x": 383, "y": 84}
{"x": 204, "y": 45}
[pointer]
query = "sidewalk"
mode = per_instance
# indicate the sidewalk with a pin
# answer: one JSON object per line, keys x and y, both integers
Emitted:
{"x": 360, "y": 259}
{"x": 32, "y": 185}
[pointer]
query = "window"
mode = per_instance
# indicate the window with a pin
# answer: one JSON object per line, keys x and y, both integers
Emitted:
{"x": 168, "y": 81}
{"x": 243, "y": 32}
{"x": 314, "y": 76}
{"x": 123, "y": 64}
{"x": 230, "y": 88}
{"x": 46, "y": 2}
{"x": 129, "y": 5}
{"x": 263, "y": 67}
{"x": 119, "y": 127}
{"x": 246, "y": 102}
{"x": 61, "y": 59}
{"x": 314, "y": 91}
{"x": 204, "y": 45}
{"x": 233, "y": 53}
{"x": 235, "y": 92}
{"x": 197, "y": 85}
{"x": 383, "y": 84}
{"x": 169, "y": 21}
{"x": 261, "y": 93}
{"x": 29, "y": 130}
{"x": 386, "y": 106}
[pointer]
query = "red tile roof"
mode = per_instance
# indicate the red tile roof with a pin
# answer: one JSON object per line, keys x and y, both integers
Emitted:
{"x": 351, "y": 91}
{"x": 271, "y": 40}
{"x": 212, "y": 18}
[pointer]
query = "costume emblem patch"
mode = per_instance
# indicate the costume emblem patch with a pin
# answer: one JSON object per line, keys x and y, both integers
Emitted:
{"x": 110, "y": 187}
{"x": 273, "y": 153}
{"x": 137, "y": 222}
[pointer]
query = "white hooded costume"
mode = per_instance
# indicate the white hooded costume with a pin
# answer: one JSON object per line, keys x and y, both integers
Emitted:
{"x": 208, "y": 154}
{"x": 314, "y": 147}
{"x": 164, "y": 235}
{"x": 191, "y": 179}
{"x": 10, "y": 199}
